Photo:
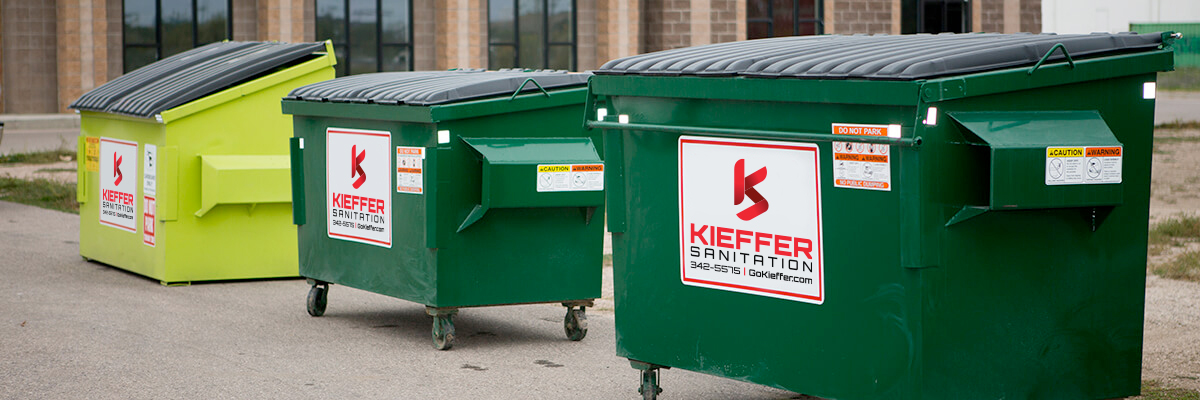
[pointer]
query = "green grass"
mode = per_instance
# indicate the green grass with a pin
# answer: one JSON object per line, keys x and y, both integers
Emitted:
{"x": 1185, "y": 267}
{"x": 39, "y": 157}
{"x": 1169, "y": 231}
{"x": 1180, "y": 79}
{"x": 1177, "y": 125}
{"x": 1152, "y": 390}
{"x": 41, "y": 193}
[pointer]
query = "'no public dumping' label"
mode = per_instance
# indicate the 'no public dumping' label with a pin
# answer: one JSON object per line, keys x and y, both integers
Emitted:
{"x": 118, "y": 181}
{"x": 750, "y": 217}
{"x": 358, "y": 181}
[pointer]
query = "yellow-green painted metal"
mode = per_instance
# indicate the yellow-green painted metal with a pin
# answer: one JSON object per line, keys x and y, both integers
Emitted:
{"x": 222, "y": 199}
{"x": 480, "y": 234}
{"x": 936, "y": 289}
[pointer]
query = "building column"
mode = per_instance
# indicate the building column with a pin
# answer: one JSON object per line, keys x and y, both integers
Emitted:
{"x": 286, "y": 20}
{"x": 1012, "y": 16}
{"x": 618, "y": 29}
{"x": 461, "y": 34}
{"x": 82, "y": 48}
{"x": 30, "y": 81}
{"x": 424, "y": 35}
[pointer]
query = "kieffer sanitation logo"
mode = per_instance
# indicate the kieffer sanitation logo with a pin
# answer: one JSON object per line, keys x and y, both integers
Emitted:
{"x": 749, "y": 246}
{"x": 359, "y": 209}
{"x": 743, "y": 187}
{"x": 356, "y": 166}
{"x": 117, "y": 208}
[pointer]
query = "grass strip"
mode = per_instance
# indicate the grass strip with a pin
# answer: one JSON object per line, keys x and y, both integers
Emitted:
{"x": 38, "y": 157}
{"x": 40, "y": 193}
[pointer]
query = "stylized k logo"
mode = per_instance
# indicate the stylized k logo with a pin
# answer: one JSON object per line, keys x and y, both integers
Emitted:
{"x": 743, "y": 186}
{"x": 356, "y": 159}
{"x": 117, "y": 169}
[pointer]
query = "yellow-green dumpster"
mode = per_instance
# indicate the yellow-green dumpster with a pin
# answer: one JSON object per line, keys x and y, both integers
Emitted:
{"x": 183, "y": 169}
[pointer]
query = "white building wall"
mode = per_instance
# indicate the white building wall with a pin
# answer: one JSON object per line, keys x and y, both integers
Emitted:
{"x": 1086, "y": 16}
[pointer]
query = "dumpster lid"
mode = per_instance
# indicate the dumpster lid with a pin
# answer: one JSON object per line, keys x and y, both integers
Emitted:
{"x": 190, "y": 75}
{"x": 428, "y": 88}
{"x": 874, "y": 57}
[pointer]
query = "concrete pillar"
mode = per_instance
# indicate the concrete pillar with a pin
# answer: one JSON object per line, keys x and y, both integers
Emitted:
{"x": 461, "y": 34}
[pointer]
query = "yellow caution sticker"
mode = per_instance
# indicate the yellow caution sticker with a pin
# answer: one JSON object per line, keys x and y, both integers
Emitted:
{"x": 1083, "y": 165}
{"x": 570, "y": 177}
{"x": 92, "y": 154}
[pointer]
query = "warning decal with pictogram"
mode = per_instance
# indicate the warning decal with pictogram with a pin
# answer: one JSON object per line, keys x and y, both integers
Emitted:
{"x": 750, "y": 217}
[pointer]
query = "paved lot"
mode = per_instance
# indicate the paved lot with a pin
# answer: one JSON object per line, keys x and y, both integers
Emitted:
{"x": 73, "y": 329}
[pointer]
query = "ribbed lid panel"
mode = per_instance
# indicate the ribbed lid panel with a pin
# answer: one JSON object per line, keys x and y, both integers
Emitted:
{"x": 876, "y": 57}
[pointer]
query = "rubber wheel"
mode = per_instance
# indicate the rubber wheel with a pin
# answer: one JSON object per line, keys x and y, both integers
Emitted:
{"x": 318, "y": 297}
{"x": 443, "y": 332}
{"x": 575, "y": 324}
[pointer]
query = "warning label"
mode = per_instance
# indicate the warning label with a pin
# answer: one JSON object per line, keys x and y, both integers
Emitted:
{"x": 1083, "y": 165}
{"x": 118, "y": 177}
{"x": 767, "y": 240}
{"x": 91, "y": 154}
{"x": 359, "y": 185}
{"x": 863, "y": 165}
{"x": 410, "y": 161}
{"x": 570, "y": 177}
{"x": 149, "y": 170}
{"x": 148, "y": 209}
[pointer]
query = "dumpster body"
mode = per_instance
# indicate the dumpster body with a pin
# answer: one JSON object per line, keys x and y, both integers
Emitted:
{"x": 450, "y": 189}
{"x": 884, "y": 217}
{"x": 183, "y": 164}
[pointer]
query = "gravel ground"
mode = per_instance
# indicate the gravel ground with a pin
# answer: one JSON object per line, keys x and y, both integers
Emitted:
{"x": 1171, "y": 351}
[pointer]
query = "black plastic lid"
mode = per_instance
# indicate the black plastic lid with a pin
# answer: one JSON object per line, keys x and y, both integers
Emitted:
{"x": 426, "y": 88}
{"x": 876, "y": 57}
{"x": 187, "y": 76}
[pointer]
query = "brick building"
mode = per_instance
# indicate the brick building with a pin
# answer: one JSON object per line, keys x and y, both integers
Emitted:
{"x": 54, "y": 50}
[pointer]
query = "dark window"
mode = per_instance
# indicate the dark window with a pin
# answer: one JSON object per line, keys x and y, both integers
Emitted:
{"x": 937, "y": 16}
{"x": 772, "y": 18}
{"x": 367, "y": 35}
{"x": 536, "y": 34}
{"x": 156, "y": 29}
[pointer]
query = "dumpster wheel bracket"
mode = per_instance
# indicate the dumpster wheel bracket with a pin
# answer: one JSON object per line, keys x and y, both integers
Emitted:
{"x": 443, "y": 326}
{"x": 575, "y": 322}
{"x": 318, "y": 298}
{"x": 649, "y": 388}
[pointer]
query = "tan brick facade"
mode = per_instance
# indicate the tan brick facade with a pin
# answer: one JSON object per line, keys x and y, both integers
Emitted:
{"x": 51, "y": 51}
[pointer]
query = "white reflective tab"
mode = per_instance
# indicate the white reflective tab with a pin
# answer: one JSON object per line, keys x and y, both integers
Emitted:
{"x": 301, "y": 143}
{"x": 624, "y": 119}
{"x": 931, "y": 117}
{"x": 1148, "y": 90}
{"x": 601, "y": 113}
{"x": 443, "y": 137}
{"x": 893, "y": 131}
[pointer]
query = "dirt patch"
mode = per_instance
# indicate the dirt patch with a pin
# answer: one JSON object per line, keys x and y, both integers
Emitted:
{"x": 63, "y": 171}
{"x": 1171, "y": 351}
{"x": 1175, "y": 177}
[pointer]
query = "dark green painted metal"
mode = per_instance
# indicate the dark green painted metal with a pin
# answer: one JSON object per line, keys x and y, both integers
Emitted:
{"x": 1024, "y": 304}
{"x": 512, "y": 255}
{"x": 1018, "y": 142}
{"x": 756, "y": 133}
{"x": 296, "y": 150}
{"x": 510, "y": 164}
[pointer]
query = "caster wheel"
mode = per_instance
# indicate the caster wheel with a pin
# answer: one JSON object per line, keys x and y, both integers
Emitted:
{"x": 318, "y": 297}
{"x": 650, "y": 389}
{"x": 575, "y": 324}
{"x": 443, "y": 332}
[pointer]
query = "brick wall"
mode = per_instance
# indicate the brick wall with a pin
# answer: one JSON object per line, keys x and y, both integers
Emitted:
{"x": 618, "y": 31}
{"x": 82, "y": 38}
{"x": 585, "y": 36}
{"x": 285, "y": 20}
{"x": 862, "y": 16}
{"x": 991, "y": 16}
{"x": 461, "y": 34}
{"x": 245, "y": 20}
{"x": 666, "y": 24}
{"x": 725, "y": 22}
{"x": 424, "y": 35}
{"x": 1031, "y": 16}
{"x": 30, "y": 82}
{"x": 116, "y": 56}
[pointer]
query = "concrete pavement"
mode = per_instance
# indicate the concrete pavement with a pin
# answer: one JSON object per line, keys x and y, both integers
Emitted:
{"x": 74, "y": 329}
{"x": 1172, "y": 106}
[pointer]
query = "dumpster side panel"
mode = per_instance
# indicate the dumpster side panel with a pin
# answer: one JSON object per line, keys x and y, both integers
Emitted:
{"x": 1034, "y": 303}
{"x": 106, "y": 244}
{"x": 406, "y": 270}
{"x": 862, "y": 342}
{"x": 255, "y": 240}
{"x": 513, "y": 255}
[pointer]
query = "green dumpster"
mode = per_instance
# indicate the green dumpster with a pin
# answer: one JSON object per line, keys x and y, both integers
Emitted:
{"x": 183, "y": 164}
{"x": 884, "y": 217}
{"x": 450, "y": 189}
